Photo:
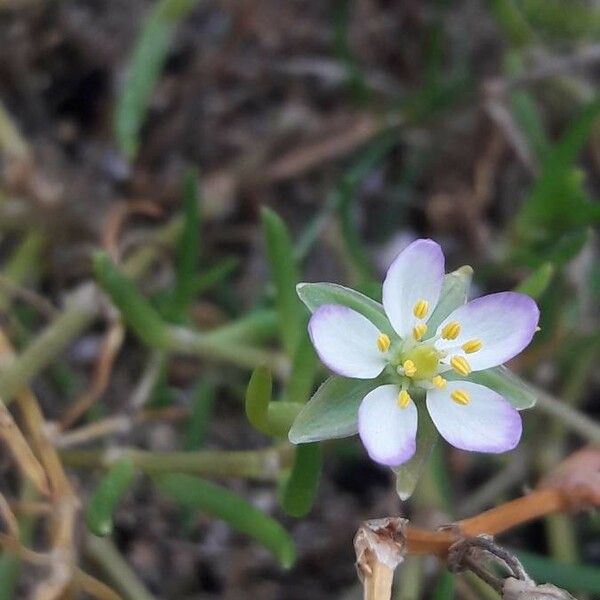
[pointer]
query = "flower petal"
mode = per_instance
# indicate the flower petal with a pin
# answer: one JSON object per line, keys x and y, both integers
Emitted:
{"x": 488, "y": 423}
{"x": 504, "y": 323}
{"x": 346, "y": 342}
{"x": 416, "y": 274}
{"x": 387, "y": 431}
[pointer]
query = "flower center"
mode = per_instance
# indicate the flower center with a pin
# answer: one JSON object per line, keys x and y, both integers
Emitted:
{"x": 423, "y": 360}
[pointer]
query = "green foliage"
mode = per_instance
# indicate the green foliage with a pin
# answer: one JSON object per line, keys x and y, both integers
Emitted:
{"x": 271, "y": 417}
{"x": 300, "y": 489}
{"x": 188, "y": 249}
{"x": 136, "y": 311}
{"x": 453, "y": 294}
{"x": 203, "y": 397}
{"x": 106, "y": 497}
{"x": 583, "y": 579}
{"x": 333, "y": 410}
{"x": 196, "y": 494}
{"x": 408, "y": 474}
{"x": 551, "y": 223}
{"x": 444, "y": 589}
{"x": 506, "y": 383}
{"x": 305, "y": 365}
{"x": 284, "y": 272}
{"x": 537, "y": 283}
{"x": 146, "y": 64}
{"x": 315, "y": 295}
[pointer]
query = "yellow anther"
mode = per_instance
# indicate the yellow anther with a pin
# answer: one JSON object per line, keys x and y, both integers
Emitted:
{"x": 409, "y": 368}
{"x": 420, "y": 308}
{"x": 383, "y": 342}
{"x": 460, "y": 365}
{"x": 460, "y": 397}
{"x": 439, "y": 382}
{"x": 472, "y": 346}
{"x": 419, "y": 331}
{"x": 451, "y": 331}
{"x": 404, "y": 399}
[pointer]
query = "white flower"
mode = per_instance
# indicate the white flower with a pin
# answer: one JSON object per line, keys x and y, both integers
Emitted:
{"x": 483, "y": 333}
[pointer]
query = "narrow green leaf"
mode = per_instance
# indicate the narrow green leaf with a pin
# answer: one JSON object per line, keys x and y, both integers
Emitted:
{"x": 315, "y": 295}
{"x": 106, "y": 497}
{"x": 506, "y": 383}
{"x": 271, "y": 418}
{"x": 136, "y": 311}
{"x": 583, "y": 579}
{"x": 455, "y": 290}
{"x": 284, "y": 272}
{"x": 147, "y": 61}
{"x": 408, "y": 474}
{"x": 537, "y": 283}
{"x": 197, "y": 494}
{"x": 444, "y": 589}
{"x": 258, "y": 397}
{"x": 188, "y": 249}
{"x": 333, "y": 410}
{"x": 301, "y": 487}
{"x": 214, "y": 275}
{"x": 202, "y": 402}
{"x": 304, "y": 370}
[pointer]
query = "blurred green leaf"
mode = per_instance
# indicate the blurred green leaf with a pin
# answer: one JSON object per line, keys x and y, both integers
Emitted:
{"x": 202, "y": 402}
{"x": 284, "y": 272}
{"x": 214, "y": 275}
{"x": 408, "y": 474}
{"x": 558, "y": 201}
{"x": 444, "y": 588}
{"x": 333, "y": 410}
{"x": 197, "y": 494}
{"x": 146, "y": 64}
{"x": 299, "y": 492}
{"x": 584, "y": 579}
{"x": 455, "y": 289}
{"x": 271, "y": 418}
{"x": 315, "y": 295}
{"x": 537, "y": 283}
{"x": 106, "y": 497}
{"x": 512, "y": 21}
{"x": 258, "y": 397}
{"x": 304, "y": 369}
{"x": 136, "y": 311}
{"x": 188, "y": 249}
{"x": 502, "y": 380}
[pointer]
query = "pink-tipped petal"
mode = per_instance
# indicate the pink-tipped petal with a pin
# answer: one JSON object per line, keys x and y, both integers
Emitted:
{"x": 346, "y": 342}
{"x": 504, "y": 323}
{"x": 387, "y": 431}
{"x": 488, "y": 423}
{"x": 416, "y": 274}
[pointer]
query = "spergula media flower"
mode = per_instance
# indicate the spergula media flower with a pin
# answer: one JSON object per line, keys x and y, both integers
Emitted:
{"x": 481, "y": 334}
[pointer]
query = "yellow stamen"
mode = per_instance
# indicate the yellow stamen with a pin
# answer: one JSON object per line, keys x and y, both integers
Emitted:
{"x": 409, "y": 368}
{"x": 460, "y": 365}
{"x": 439, "y": 382}
{"x": 472, "y": 346}
{"x": 383, "y": 342}
{"x": 404, "y": 399}
{"x": 460, "y": 397}
{"x": 420, "y": 308}
{"x": 451, "y": 331}
{"x": 419, "y": 331}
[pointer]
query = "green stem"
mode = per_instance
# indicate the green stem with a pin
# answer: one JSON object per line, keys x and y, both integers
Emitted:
{"x": 79, "y": 313}
{"x": 263, "y": 465}
{"x": 570, "y": 417}
{"x": 108, "y": 558}
{"x": 209, "y": 346}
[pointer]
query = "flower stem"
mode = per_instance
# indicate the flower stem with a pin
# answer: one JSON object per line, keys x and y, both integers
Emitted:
{"x": 263, "y": 465}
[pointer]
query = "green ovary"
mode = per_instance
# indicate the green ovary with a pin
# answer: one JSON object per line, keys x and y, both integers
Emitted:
{"x": 426, "y": 360}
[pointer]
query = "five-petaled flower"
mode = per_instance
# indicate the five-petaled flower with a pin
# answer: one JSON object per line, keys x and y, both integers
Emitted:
{"x": 483, "y": 333}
